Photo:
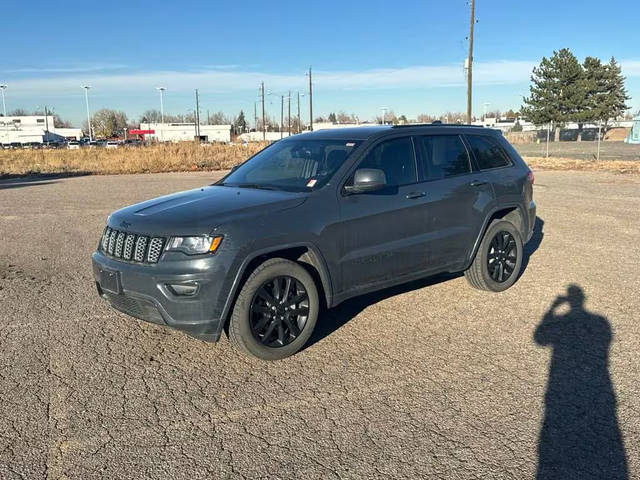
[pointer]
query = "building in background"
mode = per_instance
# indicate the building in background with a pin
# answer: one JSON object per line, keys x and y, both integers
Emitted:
{"x": 180, "y": 132}
{"x": 34, "y": 129}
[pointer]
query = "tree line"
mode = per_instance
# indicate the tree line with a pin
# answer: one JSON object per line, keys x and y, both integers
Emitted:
{"x": 564, "y": 90}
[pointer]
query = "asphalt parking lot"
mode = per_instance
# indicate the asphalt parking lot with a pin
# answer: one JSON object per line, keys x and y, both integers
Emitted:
{"x": 429, "y": 380}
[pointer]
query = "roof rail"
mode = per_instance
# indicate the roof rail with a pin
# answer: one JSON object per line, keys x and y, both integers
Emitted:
{"x": 437, "y": 123}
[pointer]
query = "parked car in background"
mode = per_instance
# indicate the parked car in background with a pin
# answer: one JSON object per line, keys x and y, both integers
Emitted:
{"x": 316, "y": 219}
{"x": 73, "y": 145}
{"x": 112, "y": 144}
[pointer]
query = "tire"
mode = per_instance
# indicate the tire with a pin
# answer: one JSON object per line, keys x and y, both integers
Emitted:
{"x": 484, "y": 274}
{"x": 259, "y": 293}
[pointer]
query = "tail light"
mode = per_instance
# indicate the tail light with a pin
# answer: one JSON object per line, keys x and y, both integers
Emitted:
{"x": 530, "y": 177}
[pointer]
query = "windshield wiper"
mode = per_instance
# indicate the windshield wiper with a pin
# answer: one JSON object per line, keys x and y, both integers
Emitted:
{"x": 253, "y": 185}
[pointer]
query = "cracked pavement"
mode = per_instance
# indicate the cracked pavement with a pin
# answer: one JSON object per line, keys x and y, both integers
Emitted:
{"x": 427, "y": 380}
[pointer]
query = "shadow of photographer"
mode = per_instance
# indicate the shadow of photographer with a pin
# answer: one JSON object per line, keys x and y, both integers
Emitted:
{"x": 580, "y": 437}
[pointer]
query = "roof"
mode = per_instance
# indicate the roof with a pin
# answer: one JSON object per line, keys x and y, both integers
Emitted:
{"x": 352, "y": 133}
{"x": 365, "y": 133}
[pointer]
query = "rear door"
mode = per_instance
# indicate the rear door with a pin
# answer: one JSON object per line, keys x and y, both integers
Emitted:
{"x": 384, "y": 231}
{"x": 458, "y": 198}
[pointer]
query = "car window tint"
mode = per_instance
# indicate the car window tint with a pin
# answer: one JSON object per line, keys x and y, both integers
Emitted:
{"x": 487, "y": 152}
{"x": 395, "y": 158}
{"x": 442, "y": 156}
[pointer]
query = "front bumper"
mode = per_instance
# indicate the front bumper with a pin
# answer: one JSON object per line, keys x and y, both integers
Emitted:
{"x": 142, "y": 291}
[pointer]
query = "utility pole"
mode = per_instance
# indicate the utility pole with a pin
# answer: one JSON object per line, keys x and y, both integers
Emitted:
{"x": 310, "y": 102}
{"x": 289, "y": 115}
{"x": 281, "y": 114}
{"x": 197, "y": 115}
{"x": 299, "y": 121}
{"x": 472, "y": 21}
{"x": 264, "y": 125}
{"x": 255, "y": 116}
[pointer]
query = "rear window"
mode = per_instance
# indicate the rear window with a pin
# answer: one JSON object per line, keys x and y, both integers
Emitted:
{"x": 442, "y": 156}
{"x": 487, "y": 152}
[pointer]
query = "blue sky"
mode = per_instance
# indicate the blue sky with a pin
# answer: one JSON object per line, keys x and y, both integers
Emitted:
{"x": 405, "y": 55}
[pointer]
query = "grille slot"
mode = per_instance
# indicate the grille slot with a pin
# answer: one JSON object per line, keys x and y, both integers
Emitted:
{"x": 155, "y": 249}
{"x": 105, "y": 238}
{"x": 119, "y": 244}
{"x": 141, "y": 248}
{"x": 112, "y": 242}
{"x": 128, "y": 246}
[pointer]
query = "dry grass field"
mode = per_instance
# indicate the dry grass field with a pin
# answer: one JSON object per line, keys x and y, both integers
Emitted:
{"x": 188, "y": 156}
{"x": 176, "y": 157}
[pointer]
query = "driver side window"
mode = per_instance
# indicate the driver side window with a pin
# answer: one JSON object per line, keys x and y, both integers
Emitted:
{"x": 396, "y": 159}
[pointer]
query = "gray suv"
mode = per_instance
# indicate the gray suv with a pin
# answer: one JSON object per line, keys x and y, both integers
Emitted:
{"x": 313, "y": 220}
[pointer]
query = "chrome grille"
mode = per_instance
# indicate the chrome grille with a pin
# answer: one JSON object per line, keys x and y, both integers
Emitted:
{"x": 128, "y": 246}
{"x": 141, "y": 247}
{"x": 131, "y": 247}
{"x": 155, "y": 249}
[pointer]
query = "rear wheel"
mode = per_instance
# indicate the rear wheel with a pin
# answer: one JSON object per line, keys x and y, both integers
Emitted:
{"x": 276, "y": 310}
{"x": 499, "y": 258}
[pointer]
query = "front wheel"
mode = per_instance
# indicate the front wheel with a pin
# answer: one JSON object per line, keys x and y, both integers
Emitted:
{"x": 276, "y": 310}
{"x": 499, "y": 258}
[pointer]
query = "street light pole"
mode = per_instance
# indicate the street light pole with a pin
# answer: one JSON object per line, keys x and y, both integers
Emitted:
{"x": 86, "y": 99}
{"x": 161, "y": 89}
{"x": 3, "y": 87}
{"x": 299, "y": 121}
{"x": 289, "y": 114}
{"x": 281, "y": 114}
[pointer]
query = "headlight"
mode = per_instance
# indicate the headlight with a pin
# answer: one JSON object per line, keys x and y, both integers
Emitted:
{"x": 194, "y": 245}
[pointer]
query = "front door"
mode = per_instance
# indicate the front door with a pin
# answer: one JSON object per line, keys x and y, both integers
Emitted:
{"x": 383, "y": 231}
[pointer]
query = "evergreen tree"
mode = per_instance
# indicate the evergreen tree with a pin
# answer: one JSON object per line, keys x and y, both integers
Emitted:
{"x": 614, "y": 102}
{"x": 332, "y": 118}
{"x": 240, "y": 123}
{"x": 558, "y": 90}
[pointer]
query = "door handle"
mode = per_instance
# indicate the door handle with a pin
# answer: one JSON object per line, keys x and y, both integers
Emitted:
{"x": 413, "y": 195}
{"x": 477, "y": 183}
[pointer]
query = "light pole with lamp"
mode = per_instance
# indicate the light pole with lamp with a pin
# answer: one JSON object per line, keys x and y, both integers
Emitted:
{"x": 161, "y": 90}
{"x": 86, "y": 99}
{"x": 3, "y": 87}
{"x": 484, "y": 106}
{"x": 384, "y": 114}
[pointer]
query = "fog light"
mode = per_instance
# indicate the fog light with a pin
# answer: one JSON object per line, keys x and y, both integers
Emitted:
{"x": 183, "y": 289}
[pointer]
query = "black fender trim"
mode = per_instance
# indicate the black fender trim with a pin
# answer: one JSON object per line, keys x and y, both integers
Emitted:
{"x": 313, "y": 254}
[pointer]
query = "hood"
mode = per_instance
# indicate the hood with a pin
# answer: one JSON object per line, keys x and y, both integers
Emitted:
{"x": 200, "y": 210}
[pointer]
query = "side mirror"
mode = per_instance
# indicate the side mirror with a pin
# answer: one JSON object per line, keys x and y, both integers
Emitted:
{"x": 367, "y": 180}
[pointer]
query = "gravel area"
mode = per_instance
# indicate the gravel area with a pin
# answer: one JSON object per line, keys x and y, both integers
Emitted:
{"x": 428, "y": 380}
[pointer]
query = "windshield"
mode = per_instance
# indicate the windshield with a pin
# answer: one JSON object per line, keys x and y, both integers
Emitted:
{"x": 295, "y": 165}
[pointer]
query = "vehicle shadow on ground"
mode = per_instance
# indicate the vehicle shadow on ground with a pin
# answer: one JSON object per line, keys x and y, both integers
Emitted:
{"x": 579, "y": 437}
{"x": 533, "y": 244}
{"x": 335, "y": 318}
{"x": 20, "y": 181}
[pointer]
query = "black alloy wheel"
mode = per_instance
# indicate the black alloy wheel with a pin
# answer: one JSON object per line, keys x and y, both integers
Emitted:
{"x": 279, "y": 311}
{"x": 502, "y": 256}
